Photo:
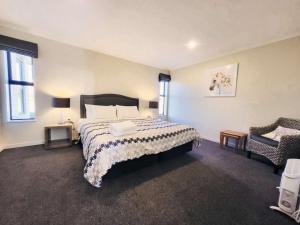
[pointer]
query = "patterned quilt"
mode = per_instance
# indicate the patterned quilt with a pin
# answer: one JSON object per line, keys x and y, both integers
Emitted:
{"x": 102, "y": 150}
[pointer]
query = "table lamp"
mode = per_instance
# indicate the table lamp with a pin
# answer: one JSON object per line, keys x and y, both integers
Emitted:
{"x": 61, "y": 103}
{"x": 153, "y": 105}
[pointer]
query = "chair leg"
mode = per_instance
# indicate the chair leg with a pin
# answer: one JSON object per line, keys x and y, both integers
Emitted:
{"x": 248, "y": 154}
{"x": 275, "y": 169}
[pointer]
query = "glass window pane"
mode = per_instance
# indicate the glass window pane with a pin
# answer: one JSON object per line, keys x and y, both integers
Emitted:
{"x": 22, "y": 102}
{"x": 165, "y": 106}
{"x": 163, "y": 92}
{"x": 21, "y": 67}
{"x": 161, "y": 105}
{"x": 166, "y": 88}
{"x": 161, "y": 88}
{"x": 28, "y": 76}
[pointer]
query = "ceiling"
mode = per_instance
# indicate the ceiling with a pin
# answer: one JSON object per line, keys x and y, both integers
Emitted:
{"x": 167, "y": 34}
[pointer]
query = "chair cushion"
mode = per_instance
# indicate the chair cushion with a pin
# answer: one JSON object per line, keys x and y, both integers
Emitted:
{"x": 264, "y": 140}
{"x": 279, "y": 132}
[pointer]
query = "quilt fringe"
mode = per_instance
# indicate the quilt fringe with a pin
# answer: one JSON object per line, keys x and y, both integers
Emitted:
{"x": 197, "y": 143}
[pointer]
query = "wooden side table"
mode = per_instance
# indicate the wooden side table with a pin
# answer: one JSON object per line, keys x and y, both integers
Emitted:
{"x": 50, "y": 144}
{"x": 240, "y": 139}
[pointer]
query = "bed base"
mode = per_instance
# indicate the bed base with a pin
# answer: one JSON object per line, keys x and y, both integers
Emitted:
{"x": 147, "y": 160}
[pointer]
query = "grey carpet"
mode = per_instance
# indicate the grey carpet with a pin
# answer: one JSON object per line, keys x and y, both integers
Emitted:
{"x": 207, "y": 186}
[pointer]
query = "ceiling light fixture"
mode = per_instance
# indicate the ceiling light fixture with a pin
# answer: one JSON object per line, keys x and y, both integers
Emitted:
{"x": 192, "y": 44}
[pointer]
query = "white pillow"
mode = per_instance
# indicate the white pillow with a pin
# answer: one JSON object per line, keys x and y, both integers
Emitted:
{"x": 127, "y": 112}
{"x": 281, "y": 131}
{"x": 100, "y": 112}
{"x": 270, "y": 135}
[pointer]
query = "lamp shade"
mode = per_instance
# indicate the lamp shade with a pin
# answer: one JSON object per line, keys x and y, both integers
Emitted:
{"x": 153, "y": 105}
{"x": 61, "y": 102}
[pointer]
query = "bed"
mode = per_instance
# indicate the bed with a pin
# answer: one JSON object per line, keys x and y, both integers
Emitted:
{"x": 102, "y": 150}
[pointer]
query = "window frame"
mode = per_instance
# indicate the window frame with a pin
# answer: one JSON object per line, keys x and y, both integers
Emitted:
{"x": 164, "y": 95}
{"x": 10, "y": 82}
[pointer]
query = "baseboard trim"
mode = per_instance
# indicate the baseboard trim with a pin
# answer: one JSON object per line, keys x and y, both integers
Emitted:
{"x": 40, "y": 142}
{"x": 210, "y": 139}
{"x": 23, "y": 144}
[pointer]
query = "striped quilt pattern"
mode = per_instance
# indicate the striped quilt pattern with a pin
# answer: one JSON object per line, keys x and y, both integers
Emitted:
{"x": 102, "y": 150}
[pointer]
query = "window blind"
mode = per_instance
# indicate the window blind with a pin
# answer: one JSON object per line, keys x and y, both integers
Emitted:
{"x": 18, "y": 46}
{"x": 164, "y": 77}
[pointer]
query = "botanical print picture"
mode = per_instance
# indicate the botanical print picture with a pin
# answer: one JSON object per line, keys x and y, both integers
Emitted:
{"x": 221, "y": 81}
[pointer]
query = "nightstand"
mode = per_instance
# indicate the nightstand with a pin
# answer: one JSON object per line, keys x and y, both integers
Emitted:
{"x": 50, "y": 144}
{"x": 240, "y": 139}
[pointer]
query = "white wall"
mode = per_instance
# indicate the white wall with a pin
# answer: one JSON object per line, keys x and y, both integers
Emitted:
{"x": 67, "y": 71}
{"x": 268, "y": 87}
{"x": 124, "y": 77}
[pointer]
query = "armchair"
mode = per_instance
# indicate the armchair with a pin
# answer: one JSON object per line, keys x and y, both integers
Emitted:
{"x": 276, "y": 152}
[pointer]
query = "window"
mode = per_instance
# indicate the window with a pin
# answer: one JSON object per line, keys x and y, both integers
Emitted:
{"x": 163, "y": 97}
{"x": 20, "y": 87}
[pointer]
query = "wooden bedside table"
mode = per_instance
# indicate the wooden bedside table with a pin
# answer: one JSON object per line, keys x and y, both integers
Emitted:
{"x": 240, "y": 138}
{"x": 50, "y": 144}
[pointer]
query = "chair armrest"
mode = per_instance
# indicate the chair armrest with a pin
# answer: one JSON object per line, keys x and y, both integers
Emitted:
{"x": 289, "y": 146}
{"x": 262, "y": 130}
{"x": 293, "y": 140}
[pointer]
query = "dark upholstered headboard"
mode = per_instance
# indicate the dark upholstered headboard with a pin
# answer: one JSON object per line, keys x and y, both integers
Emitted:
{"x": 105, "y": 99}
